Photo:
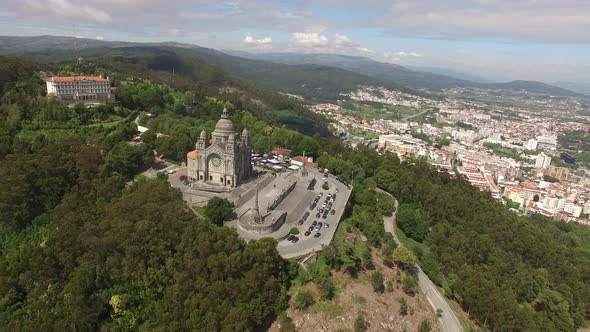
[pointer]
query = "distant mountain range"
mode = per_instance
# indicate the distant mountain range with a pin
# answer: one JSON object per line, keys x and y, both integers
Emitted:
{"x": 416, "y": 78}
{"x": 310, "y": 80}
{"x": 462, "y": 75}
{"x": 321, "y": 76}
{"x": 583, "y": 88}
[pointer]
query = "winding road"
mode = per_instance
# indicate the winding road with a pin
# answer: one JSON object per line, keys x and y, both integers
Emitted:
{"x": 449, "y": 321}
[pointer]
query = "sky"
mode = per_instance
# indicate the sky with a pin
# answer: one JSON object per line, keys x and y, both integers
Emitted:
{"x": 545, "y": 40}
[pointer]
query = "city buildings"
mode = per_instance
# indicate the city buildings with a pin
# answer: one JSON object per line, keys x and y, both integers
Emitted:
{"x": 459, "y": 144}
{"x": 542, "y": 161}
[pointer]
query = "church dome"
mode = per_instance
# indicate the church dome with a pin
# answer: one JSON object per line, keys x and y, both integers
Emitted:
{"x": 224, "y": 126}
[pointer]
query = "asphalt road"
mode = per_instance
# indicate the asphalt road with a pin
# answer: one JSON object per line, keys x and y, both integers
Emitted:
{"x": 309, "y": 244}
{"x": 415, "y": 115}
{"x": 449, "y": 321}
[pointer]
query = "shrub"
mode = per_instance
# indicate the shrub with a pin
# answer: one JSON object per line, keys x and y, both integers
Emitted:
{"x": 359, "y": 299}
{"x": 326, "y": 286}
{"x": 360, "y": 325}
{"x": 304, "y": 299}
{"x": 377, "y": 282}
{"x": 409, "y": 285}
{"x": 294, "y": 231}
{"x": 425, "y": 326}
{"x": 403, "y": 307}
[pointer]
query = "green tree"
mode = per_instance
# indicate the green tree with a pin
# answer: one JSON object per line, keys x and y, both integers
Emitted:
{"x": 410, "y": 285}
{"x": 217, "y": 209}
{"x": 326, "y": 286}
{"x": 125, "y": 159}
{"x": 368, "y": 258}
{"x": 377, "y": 282}
{"x": 549, "y": 178}
{"x": 411, "y": 221}
{"x": 404, "y": 257}
{"x": 303, "y": 300}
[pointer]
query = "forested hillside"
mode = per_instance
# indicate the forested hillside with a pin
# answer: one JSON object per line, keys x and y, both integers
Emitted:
{"x": 199, "y": 64}
{"x": 81, "y": 250}
{"x": 510, "y": 273}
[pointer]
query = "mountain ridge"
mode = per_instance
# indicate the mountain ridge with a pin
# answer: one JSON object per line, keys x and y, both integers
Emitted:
{"x": 411, "y": 78}
{"x": 337, "y": 72}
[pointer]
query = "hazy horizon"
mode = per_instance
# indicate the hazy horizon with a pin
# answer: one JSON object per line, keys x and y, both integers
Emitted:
{"x": 495, "y": 39}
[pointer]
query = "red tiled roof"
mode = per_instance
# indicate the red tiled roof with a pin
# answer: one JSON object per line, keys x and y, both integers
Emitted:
{"x": 192, "y": 155}
{"x": 281, "y": 152}
{"x": 63, "y": 79}
{"x": 307, "y": 163}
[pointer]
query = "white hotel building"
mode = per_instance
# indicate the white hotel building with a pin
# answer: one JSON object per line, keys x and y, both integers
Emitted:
{"x": 80, "y": 89}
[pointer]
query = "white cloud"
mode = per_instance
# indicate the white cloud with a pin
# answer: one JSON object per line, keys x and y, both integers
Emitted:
{"x": 309, "y": 39}
{"x": 319, "y": 42}
{"x": 249, "y": 39}
{"x": 365, "y": 50}
{"x": 401, "y": 56}
{"x": 342, "y": 40}
{"x": 536, "y": 20}
{"x": 67, "y": 10}
{"x": 408, "y": 54}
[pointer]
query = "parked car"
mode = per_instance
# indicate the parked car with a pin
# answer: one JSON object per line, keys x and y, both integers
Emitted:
{"x": 332, "y": 212}
{"x": 316, "y": 235}
{"x": 307, "y": 233}
{"x": 290, "y": 238}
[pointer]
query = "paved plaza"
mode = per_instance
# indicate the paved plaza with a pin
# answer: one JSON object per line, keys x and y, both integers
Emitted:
{"x": 295, "y": 204}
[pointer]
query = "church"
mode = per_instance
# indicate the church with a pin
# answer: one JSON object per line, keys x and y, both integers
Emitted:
{"x": 221, "y": 163}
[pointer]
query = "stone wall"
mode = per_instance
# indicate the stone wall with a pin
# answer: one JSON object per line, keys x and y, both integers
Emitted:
{"x": 312, "y": 183}
{"x": 252, "y": 191}
{"x": 283, "y": 195}
{"x": 265, "y": 228}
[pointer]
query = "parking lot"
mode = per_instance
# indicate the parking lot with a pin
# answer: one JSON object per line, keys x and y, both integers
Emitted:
{"x": 318, "y": 224}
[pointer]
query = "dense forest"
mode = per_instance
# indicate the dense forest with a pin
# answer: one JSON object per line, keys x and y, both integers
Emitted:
{"x": 81, "y": 249}
{"x": 510, "y": 273}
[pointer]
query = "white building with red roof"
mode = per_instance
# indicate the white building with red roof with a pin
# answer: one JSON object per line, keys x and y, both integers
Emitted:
{"x": 80, "y": 89}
